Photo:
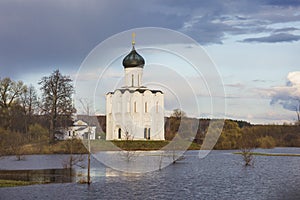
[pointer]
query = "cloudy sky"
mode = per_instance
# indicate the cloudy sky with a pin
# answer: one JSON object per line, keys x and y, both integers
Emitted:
{"x": 255, "y": 44}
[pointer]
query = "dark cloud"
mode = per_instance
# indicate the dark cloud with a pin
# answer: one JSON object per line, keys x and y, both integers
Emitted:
{"x": 288, "y": 29}
{"x": 281, "y": 37}
{"x": 38, "y": 35}
{"x": 284, "y": 3}
{"x": 58, "y": 34}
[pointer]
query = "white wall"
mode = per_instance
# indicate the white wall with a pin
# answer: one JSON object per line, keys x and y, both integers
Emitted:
{"x": 128, "y": 111}
{"x": 133, "y": 77}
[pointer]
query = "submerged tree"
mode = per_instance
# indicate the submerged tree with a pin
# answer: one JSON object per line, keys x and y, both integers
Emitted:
{"x": 57, "y": 103}
{"x": 246, "y": 144}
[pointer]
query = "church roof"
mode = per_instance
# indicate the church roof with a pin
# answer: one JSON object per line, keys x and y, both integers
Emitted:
{"x": 140, "y": 90}
{"x": 133, "y": 59}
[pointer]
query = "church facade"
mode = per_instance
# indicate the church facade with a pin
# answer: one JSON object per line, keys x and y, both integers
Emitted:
{"x": 134, "y": 112}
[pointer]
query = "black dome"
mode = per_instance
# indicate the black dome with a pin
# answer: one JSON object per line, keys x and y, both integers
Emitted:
{"x": 133, "y": 59}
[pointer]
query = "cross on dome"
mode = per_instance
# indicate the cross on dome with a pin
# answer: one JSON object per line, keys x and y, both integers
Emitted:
{"x": 133, "y": 59}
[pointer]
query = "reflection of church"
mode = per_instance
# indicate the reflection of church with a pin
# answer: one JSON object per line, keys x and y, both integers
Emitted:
{"x": 134, "y": 111}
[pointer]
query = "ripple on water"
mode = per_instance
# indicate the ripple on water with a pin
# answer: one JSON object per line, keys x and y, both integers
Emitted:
{"x": 220, "y": 175}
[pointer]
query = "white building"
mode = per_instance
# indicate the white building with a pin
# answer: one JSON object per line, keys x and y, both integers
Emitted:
{"x": 134, "y": 111}
{"x": 79, "y": 130}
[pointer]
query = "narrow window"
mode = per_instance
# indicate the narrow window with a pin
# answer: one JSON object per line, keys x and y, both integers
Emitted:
{"x": 157, "y": 106}
{"x": 138, "y": 80}
{"x": 145, "y": 133}
{"x": 119, "y": 133}
{"x": 132, "y": 80}
{"x": 148, "y": 133}
{"x": 146, "y": 107}
{"x": 134, "y": 106}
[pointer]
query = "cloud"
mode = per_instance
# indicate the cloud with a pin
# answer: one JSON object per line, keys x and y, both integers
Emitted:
{"x": 288, "y": 96}
{"x": 287, "y": 29}
{"x": 236, "y": 85}
{"x": 280, "y": 37}
{"x": 259, "y": 80}
{"x": 39, "y": 35}
{"x": 55, "y": 34}
{"x": 283, "y": 3}
{"x": 213, "y": 22}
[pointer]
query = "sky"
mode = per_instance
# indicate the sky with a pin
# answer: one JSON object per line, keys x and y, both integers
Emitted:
{"x": 254, "y": 45}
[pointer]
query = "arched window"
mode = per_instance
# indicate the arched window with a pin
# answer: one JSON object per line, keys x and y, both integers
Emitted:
{"x": 148, "y": 134}
{"x": 132, "y": 80}
{"x": 134, "y": 107}
{"x": 156, "y": 107}
{"x": 146, "y": 107}
{"x": 119, "y": 133}
{"x": 145, "y": 133}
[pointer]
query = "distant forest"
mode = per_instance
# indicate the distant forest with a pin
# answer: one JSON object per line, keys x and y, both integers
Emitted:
{"x": 261, "y": 136}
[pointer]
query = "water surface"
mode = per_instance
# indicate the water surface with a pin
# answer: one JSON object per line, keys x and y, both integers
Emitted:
{"x": 220, "y": 175}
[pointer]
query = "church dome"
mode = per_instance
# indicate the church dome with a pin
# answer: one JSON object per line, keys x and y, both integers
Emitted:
{"x": 133, "y": 59}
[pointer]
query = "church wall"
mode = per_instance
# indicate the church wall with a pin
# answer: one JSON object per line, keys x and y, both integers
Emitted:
{"x": 133, "y": 112}
{"x": 133, "y": 77}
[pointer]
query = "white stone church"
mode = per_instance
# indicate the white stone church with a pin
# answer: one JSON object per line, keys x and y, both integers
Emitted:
{"x": 134, "y": 112}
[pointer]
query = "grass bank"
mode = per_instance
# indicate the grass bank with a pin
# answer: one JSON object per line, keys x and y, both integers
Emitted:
{"x": 269, "y": 154}
{"x": 12, "y": 183}
{"x": 80, "y": 147}
{"x": 139, "y": 145}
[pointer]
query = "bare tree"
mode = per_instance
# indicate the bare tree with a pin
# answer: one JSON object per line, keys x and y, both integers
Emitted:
{"x": 126, "y": 133}
{"x": 177, "y": 113}
{"x": 128, "y": 154}
{"x": 29, "y": 103}
{"x": 86, "y": 105}
{"x": 72, "y": 160}
{"x": 9, "y": 92}
{"x": 57, "y": 103}
{"x": 247, "y": 143}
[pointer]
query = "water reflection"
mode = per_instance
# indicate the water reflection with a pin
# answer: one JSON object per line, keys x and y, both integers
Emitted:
{"x": 42, "y": 176}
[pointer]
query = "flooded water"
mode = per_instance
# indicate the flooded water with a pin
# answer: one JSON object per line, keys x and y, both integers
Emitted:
{"x": 220, "y": 175}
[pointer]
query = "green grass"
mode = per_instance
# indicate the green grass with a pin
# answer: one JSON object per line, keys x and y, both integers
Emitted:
{"x": 269, "y": 154}
{"x": 12, "y": 183}
{"x": 80, "y": 147}
{"x": 137, "y": 145}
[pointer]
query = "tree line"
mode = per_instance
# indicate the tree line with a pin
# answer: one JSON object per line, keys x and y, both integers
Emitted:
{"x": 235, "y": 134}
{"x": 26, "y": 116}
